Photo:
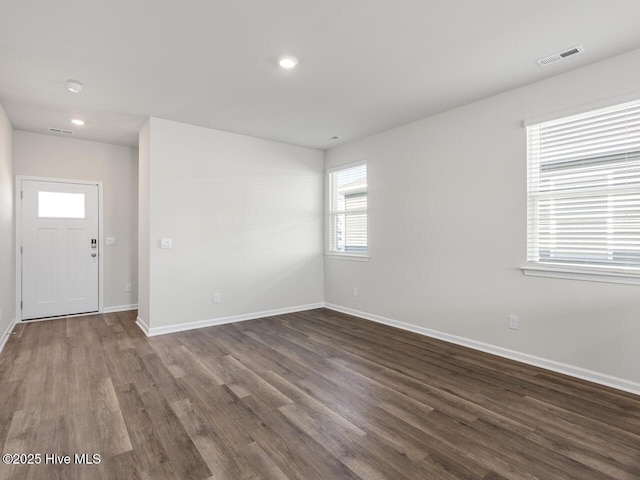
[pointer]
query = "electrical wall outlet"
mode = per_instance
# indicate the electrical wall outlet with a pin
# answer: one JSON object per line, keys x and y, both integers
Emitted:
{"x": 355, "y": 291}
{"x": 127, "y": 287}
{"x": 514, "y": 322}
{"x": 216, "y": 298}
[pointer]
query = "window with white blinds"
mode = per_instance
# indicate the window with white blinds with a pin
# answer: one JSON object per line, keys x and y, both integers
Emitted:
{"x": 348, "y": 210}
{"x": 584, "y": 190}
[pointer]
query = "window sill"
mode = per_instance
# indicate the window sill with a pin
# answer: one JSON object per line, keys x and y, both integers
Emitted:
{"x": 584, "y": 274}
{"x": 347, "y": 256}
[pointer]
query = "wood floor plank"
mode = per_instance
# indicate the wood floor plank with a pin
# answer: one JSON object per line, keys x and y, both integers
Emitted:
{"x": 295, "y": 452}
{"x": 114, "y": 438}
{"x": 122, "y": 466}
{"x": 21, "y": 438}
{"x": 220, "y": 459}
{"x": 252, "y": 384}
{"x": 264, "y": 464}
{"x": 187, "y": 461}
{"x": 309, "y": 395}
{"x": 340, "y": 442}
{"x": 228, "y": 426}
{"x": 312, "y": 406}
{"x": 56, "y": 430}
{"x": 151, "y": 458}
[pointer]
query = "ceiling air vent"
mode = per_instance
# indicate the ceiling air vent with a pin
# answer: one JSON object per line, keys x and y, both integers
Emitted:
{"x": 560, "y": 55}
{"x": 61, "y": 130}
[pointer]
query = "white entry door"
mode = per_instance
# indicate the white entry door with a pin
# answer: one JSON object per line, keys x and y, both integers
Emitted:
{"x": 60, "y": 249}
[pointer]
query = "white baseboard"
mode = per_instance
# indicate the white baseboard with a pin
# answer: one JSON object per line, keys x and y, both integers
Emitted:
{"x": 120, "y": 308}
{"x": 573, "y": 371}
{"x": 143, "y": 326}
{"x": 7, "y": 334}
{"x": 181, "y": 327}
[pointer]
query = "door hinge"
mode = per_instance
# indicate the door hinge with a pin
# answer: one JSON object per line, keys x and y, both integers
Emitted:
{"x": 20, "y": 249}
{"x": 20, "y": 304}
{"x": 21, "y": 194}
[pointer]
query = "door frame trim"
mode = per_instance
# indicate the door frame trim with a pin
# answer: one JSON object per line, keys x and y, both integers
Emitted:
{"x": 18, "y": 236}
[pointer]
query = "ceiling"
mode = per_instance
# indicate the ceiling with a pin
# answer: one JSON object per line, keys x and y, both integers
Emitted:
{"x": 365, "y": 65}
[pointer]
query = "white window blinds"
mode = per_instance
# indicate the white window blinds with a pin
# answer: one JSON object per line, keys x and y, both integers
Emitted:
{"x": 584, "y": 189}
{"x": 348, "y": 210}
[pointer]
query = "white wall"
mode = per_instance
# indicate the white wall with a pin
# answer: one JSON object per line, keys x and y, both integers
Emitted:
{"x": 245, "y": 216}
{"x": 447, "y": 232}
{"x": 144, "y": 197}
{"x": 7, "y": 267}
{"x": 117, "y": 167}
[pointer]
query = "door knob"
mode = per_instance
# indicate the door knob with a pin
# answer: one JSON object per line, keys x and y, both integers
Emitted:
{"x": 94, "y": 254}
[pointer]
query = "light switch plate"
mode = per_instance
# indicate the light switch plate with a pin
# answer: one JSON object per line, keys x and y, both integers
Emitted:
{"x": 111, "y": 240}
{"x": 166, "y": 243}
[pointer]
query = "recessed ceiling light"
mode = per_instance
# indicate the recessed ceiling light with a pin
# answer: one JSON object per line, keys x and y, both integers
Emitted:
{"x": 74, "y": 86}
{"x": 77, "y": 121}
{"x": 287, "y": 61}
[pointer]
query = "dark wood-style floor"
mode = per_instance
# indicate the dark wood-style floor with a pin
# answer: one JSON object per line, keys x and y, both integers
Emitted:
{"x": 314, "y": 395}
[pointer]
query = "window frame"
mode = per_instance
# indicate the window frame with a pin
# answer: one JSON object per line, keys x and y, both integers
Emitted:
{"x": 593, "y": 273}
{"x": 334, "y": 254}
